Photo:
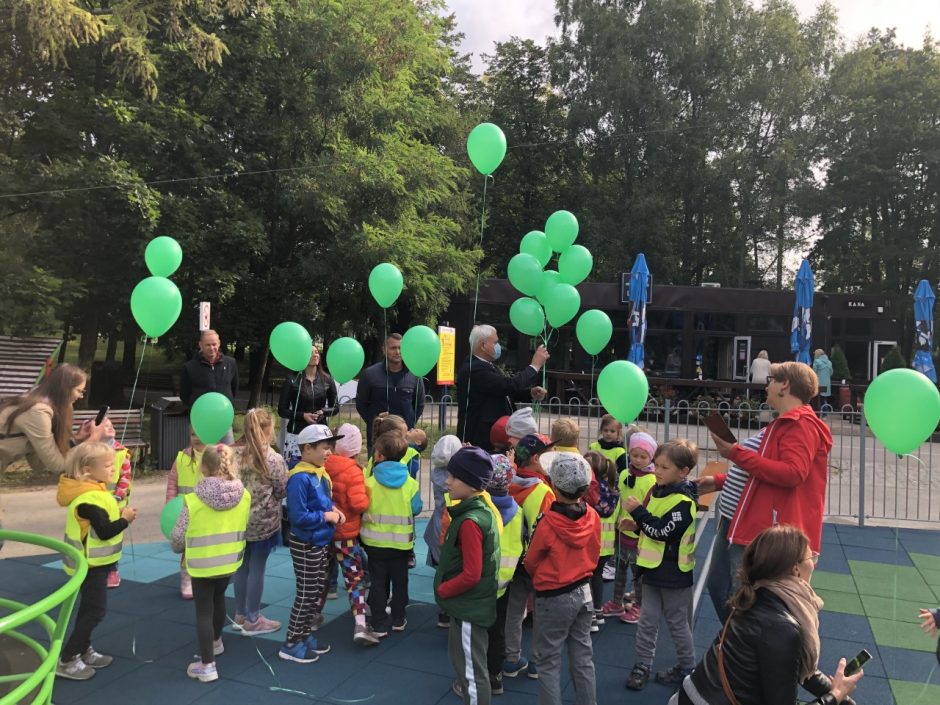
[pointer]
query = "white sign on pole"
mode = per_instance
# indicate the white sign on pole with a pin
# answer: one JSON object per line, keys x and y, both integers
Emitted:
{"x": 204, "y": 307}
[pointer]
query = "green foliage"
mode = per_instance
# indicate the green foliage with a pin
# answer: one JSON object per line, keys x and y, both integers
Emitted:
{"x": 840, "y": 365}
{"x": 893, "y": 360}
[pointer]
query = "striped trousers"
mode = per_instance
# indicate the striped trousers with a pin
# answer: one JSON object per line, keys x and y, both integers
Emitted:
{"x": 311, "y": 564}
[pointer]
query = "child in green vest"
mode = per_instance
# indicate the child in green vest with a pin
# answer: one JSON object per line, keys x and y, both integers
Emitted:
{"x": 610, "y": 443}
{"x": 211, "y": 528}
{"x": 466, "y": 580}
{"x": 665, "y": 559}
{"x": 387, "y": 531}
{"x": 181, "y": 480}
{"x": 94, "y": 525}
{"x": 119, "y": 484}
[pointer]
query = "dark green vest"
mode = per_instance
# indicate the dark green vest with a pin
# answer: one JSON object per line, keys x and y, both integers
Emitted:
{"x": 478, "y": 604}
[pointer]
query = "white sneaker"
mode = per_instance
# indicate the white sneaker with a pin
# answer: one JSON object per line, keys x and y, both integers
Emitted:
{"x": 76, "y": 670}
{"x": 95, "y": 660}
{"x": 218, "y": 648}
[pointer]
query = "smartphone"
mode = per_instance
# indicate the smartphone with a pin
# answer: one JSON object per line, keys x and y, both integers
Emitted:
{"x": 716, "y": 424}
{"x": 102, "y": 412}
{"x": 861, "y": 658}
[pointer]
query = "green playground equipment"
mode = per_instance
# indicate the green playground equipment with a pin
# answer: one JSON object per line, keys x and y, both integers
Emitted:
{"x": 42, "y": 678}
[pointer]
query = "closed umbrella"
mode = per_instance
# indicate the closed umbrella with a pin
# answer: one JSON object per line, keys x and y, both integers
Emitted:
{"x": 801, "y": 331}
{"x": 639, "y": 289}
{"x": 923, "y": 322}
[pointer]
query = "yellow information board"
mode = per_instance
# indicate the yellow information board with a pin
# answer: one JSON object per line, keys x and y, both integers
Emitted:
{"x": 445, "y": 363}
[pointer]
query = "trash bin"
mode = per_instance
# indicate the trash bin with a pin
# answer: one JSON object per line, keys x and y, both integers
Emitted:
{"x": 169, "y": 430}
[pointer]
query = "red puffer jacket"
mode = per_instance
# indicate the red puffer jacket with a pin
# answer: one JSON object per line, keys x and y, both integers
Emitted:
{"x": 349, "y": 494}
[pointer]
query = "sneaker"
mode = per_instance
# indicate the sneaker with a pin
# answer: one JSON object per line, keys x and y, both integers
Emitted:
{"x": 599, "y": 617}
{"x": 312, "y": 645}
{"x": 612, "y": 608}
{"x": 531, "y": 671}
{"x": 674, "y": 676}
{"x": 443, "y": 620}
{"x": 95, "y": 660}
{"x": 399, "y": 627}
{"x": 412, "y": 561}
{"x": 595, "y": 627}
{"x": 114, "y": 579}
{"x": 638, "y": 676}
{"x": 203, "y": 672}
{"x": 511, "y": 669}
{"x": 74, "y": 669}
{"x": 218, "y": 648}
{"x": 186, "y": 586}
{"x": 631, "y": 616}
{"x": 496, "y": 684}
{"x": 331, "y": 594}
{"x": 238, "y": 622}
{"x": 262, "y": 625}
{"x": 297, "y": 652}
{"x": 610, "y": 572}
{"x": 364, "y": 637}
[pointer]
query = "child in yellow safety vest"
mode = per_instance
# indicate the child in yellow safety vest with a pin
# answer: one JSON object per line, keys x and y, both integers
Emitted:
{"x": 211, "y": 528}
{"x": 605, "y": 499}
{"x": 119, "y": 484}
{"x": 94, "y": 525}
{"x": 182, "y": 479}
{"x": 665, "y": 558}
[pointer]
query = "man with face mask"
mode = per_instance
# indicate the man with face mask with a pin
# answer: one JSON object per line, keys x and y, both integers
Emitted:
{"x": 484, "y": 393}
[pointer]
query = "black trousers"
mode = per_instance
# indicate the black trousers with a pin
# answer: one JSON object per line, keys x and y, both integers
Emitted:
{"x": 209, "y": 599}
{"x": 496, "y": 648}
{"x": 92, "y": 607}
{"x": 387, "y": 566}
{"x": 597, "y": 583}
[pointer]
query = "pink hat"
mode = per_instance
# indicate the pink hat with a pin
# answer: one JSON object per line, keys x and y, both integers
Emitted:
{"x": 643, "y": 441}
{"x": 350, "y": 445}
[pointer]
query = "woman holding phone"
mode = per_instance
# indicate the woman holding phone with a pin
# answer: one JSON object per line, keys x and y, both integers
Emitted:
{"x": 308, "y": 397}
{"x": 770, "y": 644}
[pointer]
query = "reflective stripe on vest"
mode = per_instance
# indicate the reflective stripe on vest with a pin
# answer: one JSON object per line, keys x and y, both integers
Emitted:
{"x": 650, "y": 552}
{"x": 97, "y": 551}
{"x": 608, "y": 534}
{"x": 532, "y": 504}
{"x": 116, "y": 470}
{"x": 640, "y": 489}
{"x": 215, "y": 539}
{"x": 389, "y": 522}
{"x": 510, "y": 551}
{"x": 187, "y": 471}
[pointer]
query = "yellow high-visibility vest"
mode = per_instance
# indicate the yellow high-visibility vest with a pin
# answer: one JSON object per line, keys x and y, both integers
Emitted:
{"x": 609, "y": 532}
{"x": 532, "y": 504}
{"x": 119, "y": 456}
{"x": 406, "y": 458}
{"x": 640, "y": 489}
{"x": 97, "y": 551}
{"x": 510, "y": 551}
{"x": 389, "y": 522}
{"x": 187, "y": 471}
{"x": 613, "y": 454}
{"x": 215, "y": 538}
{"x": 650, "y": 552}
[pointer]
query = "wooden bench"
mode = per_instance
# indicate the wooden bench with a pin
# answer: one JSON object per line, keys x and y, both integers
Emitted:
{"x": 133, "y": 437}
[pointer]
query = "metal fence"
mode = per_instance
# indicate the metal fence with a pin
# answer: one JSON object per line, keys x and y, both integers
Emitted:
{"x": 866, "y": 481}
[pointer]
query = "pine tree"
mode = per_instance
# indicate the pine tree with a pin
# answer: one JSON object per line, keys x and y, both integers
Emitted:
{"x": 840, "y": 366}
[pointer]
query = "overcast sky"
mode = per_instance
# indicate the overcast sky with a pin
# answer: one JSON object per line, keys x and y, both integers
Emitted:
{"x": 487, "y": 21}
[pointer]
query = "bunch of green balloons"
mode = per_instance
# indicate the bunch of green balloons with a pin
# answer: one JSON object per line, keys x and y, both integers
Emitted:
{"x": 156, "y": 302}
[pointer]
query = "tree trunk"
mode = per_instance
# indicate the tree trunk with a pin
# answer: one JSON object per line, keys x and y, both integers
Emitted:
{"x": 111, "y": 352}
{"x": 257, "y": 367}
{"x": 129, "y": 361}
{"x": 780, "y": 248}
{"x": 89, "y": 331}
{"x": 65, "y": 342}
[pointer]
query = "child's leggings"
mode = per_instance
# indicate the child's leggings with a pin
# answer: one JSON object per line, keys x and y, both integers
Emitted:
{"x": 92, "y": 606}
{"x": 249, "y": 579}
{"x": 348, "y": 554}
{"x": 209, "y": 598}
{"x": 311, "y": 564}
{"x": 626, "y": 558}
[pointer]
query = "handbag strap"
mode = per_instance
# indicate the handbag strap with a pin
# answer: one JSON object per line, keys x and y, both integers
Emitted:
{"x": 725, "y": 685}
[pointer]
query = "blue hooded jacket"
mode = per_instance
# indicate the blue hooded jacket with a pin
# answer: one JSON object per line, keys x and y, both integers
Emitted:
{"x": 308, "y": 498}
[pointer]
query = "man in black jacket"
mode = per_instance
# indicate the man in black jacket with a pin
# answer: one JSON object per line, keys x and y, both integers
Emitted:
{"x": 484, "y": 393}
{"x": 209, "y": 371}
{"x": 389, "y": 386}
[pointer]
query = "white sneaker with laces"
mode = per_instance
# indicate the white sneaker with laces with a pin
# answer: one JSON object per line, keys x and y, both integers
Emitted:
{"x": 74, "y": 669}
{"x": 95, "y": 660}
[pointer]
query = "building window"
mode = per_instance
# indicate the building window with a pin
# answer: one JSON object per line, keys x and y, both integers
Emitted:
{"x": 768, "y": 323}
{"x": 858, "y": 326}
{"x": 664, "y": 320}
{"x": 722, "y": 322}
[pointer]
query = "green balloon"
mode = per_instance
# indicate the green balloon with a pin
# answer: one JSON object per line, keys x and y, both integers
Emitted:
{"x": 291, "y": 345}
{"x": 526, "y": 316}
{"x": 594, "y": 330}
{"x": 561, "y": 229}
{"x": 575, "y": 264}
{"x": 486, "y": 146}
{"x": 623, "y": 389}
{"x": 385, "y": 283}
{"x": 525, "y": 273}
{"x": 211, "y": 417}
{"x": 903, "y": 408}
{"x": 562, "y": 304}
{"x": 169, "y": 515}
{"x": 550, "y": 278}
{"x": 156, "y": 304}
{"x": 536, "y": 244}
{"x": 345, "y": 358}
{"x": 420, "y": 349}
{"x": 163, "y": 256}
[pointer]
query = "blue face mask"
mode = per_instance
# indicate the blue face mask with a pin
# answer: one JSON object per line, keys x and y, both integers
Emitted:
{"x": 497, "y": 351}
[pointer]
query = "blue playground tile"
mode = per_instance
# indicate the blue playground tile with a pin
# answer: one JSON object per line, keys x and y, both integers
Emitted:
{"x": 147, "y": 640}
{"x": 922, "y": 544}
{"x": 151, "y": 684}
{"x": 146, "y": 569}
{"x": 849, "y": 627}
{"x": 315, "y": 679}
{"x": 832, "y": 559}
{"x": 871, "y": 689}
{"x": 423, "y": 651}
{"x": 230, "y": 691}
{"x": 69, "y": 691}
{"x": 383, "y": 684}
{"x": 907, "y": 665}
{"x": 883, "y": 539}
{"x": 830, "y": 535}
{"x": 875, "y": 555}
{"x": 831, "y": 650}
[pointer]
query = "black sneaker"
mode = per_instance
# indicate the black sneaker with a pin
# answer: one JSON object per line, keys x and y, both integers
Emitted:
{"x": 443, "y": 620}
{"x": 496, "y": 684}
{"x": 639, "y": 676}
{"x": 674, "y": 676}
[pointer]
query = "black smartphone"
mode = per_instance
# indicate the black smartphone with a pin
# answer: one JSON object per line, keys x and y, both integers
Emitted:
{"x": 102, "y": 412}
{"x": 861, "y": 658}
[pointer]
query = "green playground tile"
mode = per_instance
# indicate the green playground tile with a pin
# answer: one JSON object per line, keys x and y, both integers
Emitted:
{"x": 915, "y": 693}
{"x": 868, "y": 569}
{"x": 925, "y": 561}
{"x": 901, "y": 587}
{"x": 889, "y": 608}
{"x": 902, "y": 635}
{"x": 833, "y": 581}
{"x": 845, "y": 602}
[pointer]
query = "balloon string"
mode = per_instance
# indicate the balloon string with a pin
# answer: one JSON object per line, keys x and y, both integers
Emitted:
{"x": 911, "y": 455}
{"x": 134, "y": 389}
{"x": 385, "y": 346}
{"x": 476, "y": 299}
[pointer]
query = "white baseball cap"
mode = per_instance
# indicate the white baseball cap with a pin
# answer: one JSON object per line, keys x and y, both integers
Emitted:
{"x": 315, "y": 433}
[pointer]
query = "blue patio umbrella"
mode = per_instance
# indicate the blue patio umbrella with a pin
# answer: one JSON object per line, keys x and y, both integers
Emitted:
{"x": 801, "y": 331}
{"x": 639, "y": 289}
{"x": 923, "y": 323}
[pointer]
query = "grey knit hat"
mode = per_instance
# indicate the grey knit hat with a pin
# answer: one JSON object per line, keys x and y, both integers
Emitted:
{"x": 521, "y": 423}
{"x": 570, "y": 474}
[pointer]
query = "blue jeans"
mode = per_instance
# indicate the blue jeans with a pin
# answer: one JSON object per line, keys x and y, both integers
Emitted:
{"x": 722, "y": 571}
{"x": 249, "y": 579}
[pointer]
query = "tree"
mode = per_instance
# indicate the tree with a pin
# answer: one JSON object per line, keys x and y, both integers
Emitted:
{"x": 840, "y": 365}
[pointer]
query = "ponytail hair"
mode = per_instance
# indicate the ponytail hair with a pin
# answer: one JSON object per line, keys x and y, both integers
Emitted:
{"x": 771, "y": 555}
{"x": 219, "y": 461}
{"x": 603, "y": 467}
{"x": 258, "y": 426}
